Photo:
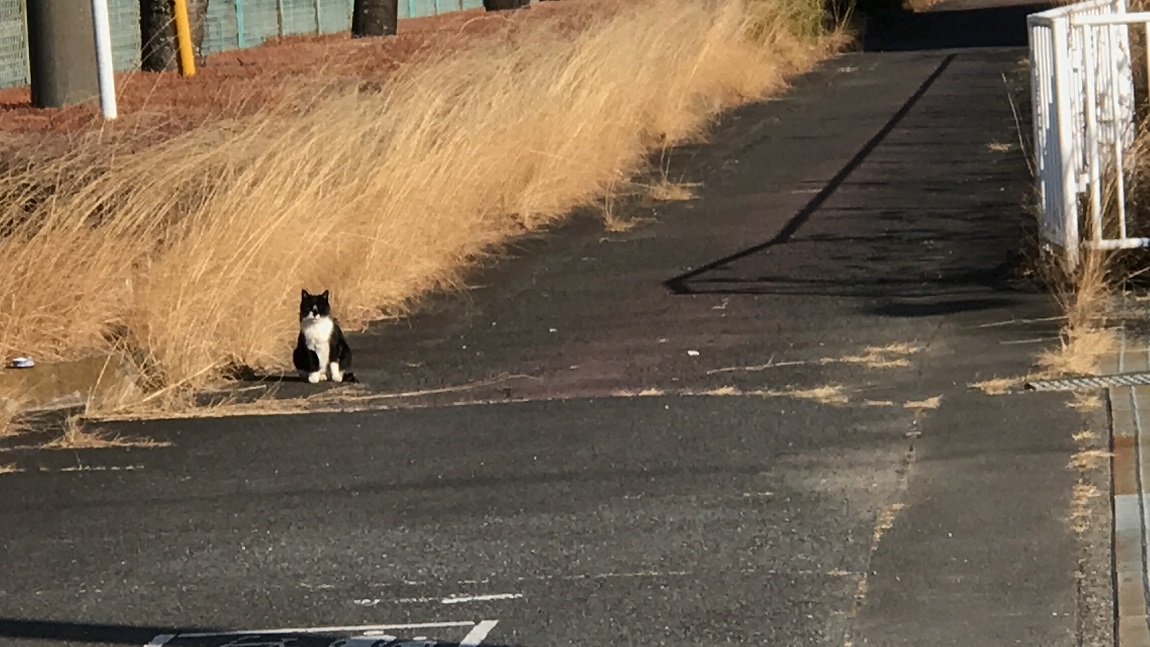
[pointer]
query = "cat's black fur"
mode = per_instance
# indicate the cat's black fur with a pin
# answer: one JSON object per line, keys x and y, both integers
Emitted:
{"x": 305, "y": 359}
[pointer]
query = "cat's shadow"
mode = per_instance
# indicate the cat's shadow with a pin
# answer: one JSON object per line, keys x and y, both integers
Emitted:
{"x": 248, "y": 374}
{"x": 245, "y": 374}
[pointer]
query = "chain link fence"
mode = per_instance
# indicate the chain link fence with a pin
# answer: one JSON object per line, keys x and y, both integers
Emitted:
{"x": 13, "y": 43}
{"x": 231, "y": 24}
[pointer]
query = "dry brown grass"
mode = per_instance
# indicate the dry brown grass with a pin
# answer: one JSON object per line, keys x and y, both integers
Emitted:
{"x": 9, "y": 468}
{"x": 343, "y": 398}
{"x": 1085, "y": 401}
{"x": 1088, "y": 458}
{"x": 77, "y": 436}
{"x": 894, "y": 355}
{"x": 830, "y": 394}
{"x": 998, "y": 385}
{"x": 1000, "y": 147}
{"x": 10, "y": 422}
{"x": 667, "y": 191}
{"x": 878, "y": 357}
{"x": 920, "y": 406}
{"x": 1086, "y": 462}
{"x": 650, "y": 392}
{"x": 1080, "y": 514}
{"x": 192, "y": 252}
{"x": 723, "y": 391}
{"x": 1084, "y": 338}
{"x": 885, "y": 521}
{"x": 1085, "y": 437}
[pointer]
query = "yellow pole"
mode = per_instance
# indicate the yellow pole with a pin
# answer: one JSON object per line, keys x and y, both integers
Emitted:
{"x": 184, "y": 39}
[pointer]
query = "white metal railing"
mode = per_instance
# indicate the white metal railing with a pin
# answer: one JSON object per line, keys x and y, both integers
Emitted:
{"x": 1082, "y": 89}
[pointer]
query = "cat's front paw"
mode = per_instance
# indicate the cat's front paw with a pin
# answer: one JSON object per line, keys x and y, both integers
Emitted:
{"x": 316, "y": 377}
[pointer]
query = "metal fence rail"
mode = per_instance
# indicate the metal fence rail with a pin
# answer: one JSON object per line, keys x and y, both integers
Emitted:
{"x": 231, "y": 24}
{"x": 1082, "y": 88}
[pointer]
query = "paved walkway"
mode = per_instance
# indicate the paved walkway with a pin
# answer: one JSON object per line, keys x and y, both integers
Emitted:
{"x": 809, "y": 466}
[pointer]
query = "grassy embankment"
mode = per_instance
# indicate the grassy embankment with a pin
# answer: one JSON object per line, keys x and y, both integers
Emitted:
{"x": 188, "y": 255}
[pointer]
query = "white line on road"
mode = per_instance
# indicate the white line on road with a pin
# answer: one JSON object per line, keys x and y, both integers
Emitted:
{"x": 451, "y": 599}
{"x": 480, "y": 598}
{"x": 475, "y": 637}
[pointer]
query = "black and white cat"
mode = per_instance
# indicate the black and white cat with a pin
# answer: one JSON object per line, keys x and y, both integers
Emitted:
{"x": 321, "y": 351}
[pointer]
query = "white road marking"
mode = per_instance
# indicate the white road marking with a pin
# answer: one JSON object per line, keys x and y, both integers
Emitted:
{"x": 480, "y": 598}
{"x": 451, "y": 599}
{"x": 575, "y": 578}
{"x": 160, "y": 640}
{"x": 97, "y": 468}
{"x": 475, "y": 637}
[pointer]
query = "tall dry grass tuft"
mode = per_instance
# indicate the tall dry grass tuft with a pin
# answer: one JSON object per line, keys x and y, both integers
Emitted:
{"x": 1084, "y": 338}
{"x": 192, "y": 252}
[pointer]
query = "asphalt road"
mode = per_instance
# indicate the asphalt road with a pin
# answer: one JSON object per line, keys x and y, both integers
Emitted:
{"x": 638, "y": 459}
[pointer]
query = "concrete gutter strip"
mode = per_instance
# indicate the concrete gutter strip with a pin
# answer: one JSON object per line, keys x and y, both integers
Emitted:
{"x": 1130, "y": 444}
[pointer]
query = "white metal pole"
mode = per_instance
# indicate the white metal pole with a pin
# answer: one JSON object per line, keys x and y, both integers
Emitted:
{"x": 1113, "y": 62}
{"x": 1093, "y": 163}
{"x": 1063, "y": 115}
{"x": 102, "y": 25}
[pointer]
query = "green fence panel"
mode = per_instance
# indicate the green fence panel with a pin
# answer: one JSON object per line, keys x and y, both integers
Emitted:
{"x": 13, "y": 44}
{"x": 298, "y": 17}
{"x": 421, "y": 8}
{"x": 124, "y": 16}
{"x": 260, "y": 21}
{"x": 231, "y": 24}
{"x": 221, "y": 29}
{"x": 334, "y": 16}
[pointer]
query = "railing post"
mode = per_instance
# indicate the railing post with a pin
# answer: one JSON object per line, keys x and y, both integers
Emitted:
{"x": 102, "y": 28}
{"x": 240, "y": 24}
{"x": 1064, "y": 124}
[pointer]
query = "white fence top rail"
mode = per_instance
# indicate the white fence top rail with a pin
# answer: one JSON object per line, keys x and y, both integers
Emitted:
{"x": 1069, "y": 10}
{"x": 1113, "y": 19}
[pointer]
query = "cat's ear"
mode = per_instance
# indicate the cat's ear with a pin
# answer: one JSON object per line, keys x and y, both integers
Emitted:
{"x": 304, "y": 295}
{"x": 324, "y": 295}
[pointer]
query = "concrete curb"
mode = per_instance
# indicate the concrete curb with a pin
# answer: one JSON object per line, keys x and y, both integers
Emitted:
{"x": 1130, "y": 444}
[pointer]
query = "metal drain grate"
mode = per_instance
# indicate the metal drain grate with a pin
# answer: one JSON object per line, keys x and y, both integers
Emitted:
{"x": 1092, "y": 382}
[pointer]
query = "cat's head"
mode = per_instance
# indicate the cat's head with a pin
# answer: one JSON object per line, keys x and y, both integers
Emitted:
{"x": 314, "y": 305}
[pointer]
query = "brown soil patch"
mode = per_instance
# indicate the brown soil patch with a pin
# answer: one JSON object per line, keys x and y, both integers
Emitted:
{"x": 237, "y": 83}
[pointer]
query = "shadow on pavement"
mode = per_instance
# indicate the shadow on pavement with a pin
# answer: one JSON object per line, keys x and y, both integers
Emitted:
{"x": 933, "y": 250}
{"x": 959, "y": 24}
{"x": 82, "y": 632}
{"x": 141, "y": 636}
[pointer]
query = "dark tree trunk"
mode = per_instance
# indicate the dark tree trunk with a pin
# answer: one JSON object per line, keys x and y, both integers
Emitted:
{"x": 158, "y": 33}
{"x": 374, "y": 18}
{"x": 502, "y": 5}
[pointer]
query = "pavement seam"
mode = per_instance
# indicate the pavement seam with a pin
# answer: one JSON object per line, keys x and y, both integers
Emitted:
{"x": 884, "y": 521}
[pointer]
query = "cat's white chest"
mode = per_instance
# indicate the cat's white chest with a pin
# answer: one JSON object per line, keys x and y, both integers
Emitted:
{"x": 317, "y": 332}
